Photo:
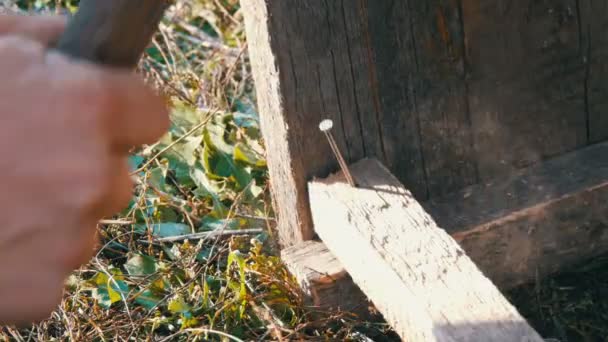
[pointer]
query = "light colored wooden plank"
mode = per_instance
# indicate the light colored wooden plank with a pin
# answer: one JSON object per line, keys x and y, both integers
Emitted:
{"x": 416, "y": 275}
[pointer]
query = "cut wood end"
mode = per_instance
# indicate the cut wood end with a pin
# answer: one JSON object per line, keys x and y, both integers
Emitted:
{"x": 323, "y": 280}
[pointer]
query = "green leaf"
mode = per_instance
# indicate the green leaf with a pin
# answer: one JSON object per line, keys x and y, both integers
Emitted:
{"x": 213, "y": 135}
{"x": 109, "y": 290}
{"x": 187, "y": 149}
{"x": 180, "y": 168}
{"x": 239, "y": 258}
{"x": 166, "y": 214}
{"x": 255, "y": 190}
{"x": 210, "y": 223}
{"x": 147, "y": 299}
{"x": 245, "y": 154}
{"x": 204, "y": 254}
{"x": 141, "y": 265}
{"x": 178, "y": 305}
{"x": 157, "y": 178}
{"x": 206, "y": 186}
{"x": 188, "y": 321}
{"x": 135, "y": 161}
{"x": 184, "y": 116}
{"x": 217, "y": 164}
{"x": 208, "y": 189}
{"x": 162, "y": 230}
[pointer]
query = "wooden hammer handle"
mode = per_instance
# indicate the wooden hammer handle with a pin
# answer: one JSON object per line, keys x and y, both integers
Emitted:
{"x": 112, "y": 32}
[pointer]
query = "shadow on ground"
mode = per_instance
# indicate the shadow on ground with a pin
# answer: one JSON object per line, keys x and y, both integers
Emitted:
{"x": 571, "y": 306}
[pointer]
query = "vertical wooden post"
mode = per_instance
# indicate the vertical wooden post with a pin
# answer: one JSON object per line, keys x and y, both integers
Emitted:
{"x": 385, "y": 74}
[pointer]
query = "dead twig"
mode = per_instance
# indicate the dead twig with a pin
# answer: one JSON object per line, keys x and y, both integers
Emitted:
{"x": 211, "y": 234}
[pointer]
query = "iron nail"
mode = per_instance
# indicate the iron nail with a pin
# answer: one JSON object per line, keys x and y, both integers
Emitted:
{"x": 325, "y": 126}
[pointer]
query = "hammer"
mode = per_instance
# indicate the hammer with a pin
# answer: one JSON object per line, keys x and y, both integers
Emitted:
{"x": 112, "y": 32}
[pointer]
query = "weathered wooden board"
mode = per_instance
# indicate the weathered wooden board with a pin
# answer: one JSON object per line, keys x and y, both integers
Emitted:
{"x": 535, "y": 222}
{"x": 594, "y": 47}
{"x": 323, "y": 280}
{"x": 389, "y": 74}
{"x": 418, "y": 50}
{"x": 526, "y": 81}
{"x": 421, "y": 280}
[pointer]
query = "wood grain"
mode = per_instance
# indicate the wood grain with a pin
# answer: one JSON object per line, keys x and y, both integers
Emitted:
{"x": 594, "y": 48}
{"x": 389, "y": 74}
{"x": 535, "y": 222}
{"x": 112, "y": 32}
{"x": 526, "y": 81}
{"x": 323, "y": 280}
{"x": 421, "y": 280}
{"x": 419, "y": 58}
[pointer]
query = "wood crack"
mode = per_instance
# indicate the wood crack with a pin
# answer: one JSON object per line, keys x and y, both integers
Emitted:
{"x": 585, "y": 49}
{"x": 372, "y": 75}
{"x": 465, "y": 83}
{"x": 352, "y": 75}
{"x": 412, "y": 90}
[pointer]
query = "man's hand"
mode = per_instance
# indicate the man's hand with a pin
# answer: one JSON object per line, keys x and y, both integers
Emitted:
{"x": 65, "y": 130}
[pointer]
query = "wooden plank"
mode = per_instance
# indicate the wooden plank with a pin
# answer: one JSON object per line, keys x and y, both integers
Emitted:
{"x": 536, "y": 222}
{"x": 526, "y": 81}
{"x": 286, "y": 173}
{"x": 323, "y": 280}
{"x": 393, "y": 49}
{"x": 594, "y": 49}
{"x": 386, "y": 73}
{"x": 309, "y": 63}
{"x": 413, "y": 271}
{"x": 419, "y": 52}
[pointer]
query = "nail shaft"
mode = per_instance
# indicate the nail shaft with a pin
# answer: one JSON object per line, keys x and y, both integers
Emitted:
{"x": 325, "y": 127}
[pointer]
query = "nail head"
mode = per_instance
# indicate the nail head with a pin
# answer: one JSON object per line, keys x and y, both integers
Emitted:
{"x": 326, "y": 125}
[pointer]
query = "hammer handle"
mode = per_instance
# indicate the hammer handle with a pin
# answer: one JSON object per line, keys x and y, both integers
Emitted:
{"x": 112, "y": 32}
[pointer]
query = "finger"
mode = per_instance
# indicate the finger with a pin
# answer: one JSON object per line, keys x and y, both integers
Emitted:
{"x": 120, "y": 188}
{"x": 82, "y": 248}
{"x": 138, "y": 115}
{"x": 132, "y": 114}
{"x": 45, "y": 29}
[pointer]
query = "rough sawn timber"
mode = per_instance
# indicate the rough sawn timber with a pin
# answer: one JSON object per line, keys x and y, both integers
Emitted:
{"x": 388, "y": 73}
{"x": 416, "y": 275}
{"x": 536, "y": 222}
{"x": 325, "y": 283}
